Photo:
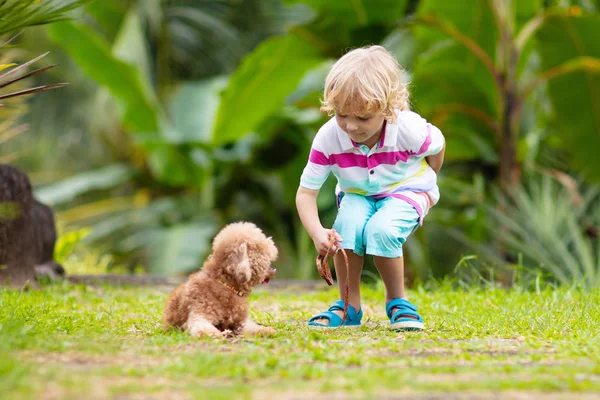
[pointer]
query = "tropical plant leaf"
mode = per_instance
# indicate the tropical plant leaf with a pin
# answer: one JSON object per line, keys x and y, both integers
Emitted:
{"x": 358, "y": 12}
{"x": 575, "y": 95}
{"x": 131, "y": 46}
{"x": 109, "y": 15}
{"x": 310, "y": 88}
{"x": 94, "y": 55}
{"x": 261, "y": 84}
{"x": 190, "y": 125}
{"x": 452, "y": 86}
{"x": 477, "y": 25}
{"x": 104, "y": 178}
{"x": 402, "y": 43}
{"x": 181, "y": 248}
{"x": 449, "y": 97}
{"x": 203, "y": 39}
{"x": 541, "y": 222}
{"x": 142, "y": 114}
{"x": 67, "y": 242}
{"x": 173, "y": 166}
{"x": 523, "y": 11}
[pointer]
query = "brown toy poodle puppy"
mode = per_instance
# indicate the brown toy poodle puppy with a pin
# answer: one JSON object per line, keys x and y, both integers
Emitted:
{"x": 214, "y": 300}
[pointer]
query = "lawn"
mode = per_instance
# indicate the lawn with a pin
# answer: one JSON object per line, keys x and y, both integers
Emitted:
{"x": 73, "y": 341}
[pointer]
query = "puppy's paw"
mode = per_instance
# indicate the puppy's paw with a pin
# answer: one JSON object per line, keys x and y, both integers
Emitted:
{"x": 198, "y": 326}
{"x": 200, "y": 333}
{"x": 227, "y": 333}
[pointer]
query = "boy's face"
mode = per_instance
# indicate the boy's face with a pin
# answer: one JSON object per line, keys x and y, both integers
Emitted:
{"x": 363, "y": 128}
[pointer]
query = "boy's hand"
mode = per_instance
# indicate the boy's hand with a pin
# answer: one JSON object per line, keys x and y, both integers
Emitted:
{"x": 322, "y": 239}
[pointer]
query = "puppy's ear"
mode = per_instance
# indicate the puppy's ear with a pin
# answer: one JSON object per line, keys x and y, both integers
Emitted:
{"x": 240, "y": 265}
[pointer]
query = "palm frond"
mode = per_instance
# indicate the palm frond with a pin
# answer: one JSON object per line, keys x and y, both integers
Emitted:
{"x": 6, "y": 81}
{"x": 18, "y": 14}
{"x": 13, "y": 71}
{"x": 33, "y": 90}
{"x": 27, "y": 75}
{"x": 541, "y": 223}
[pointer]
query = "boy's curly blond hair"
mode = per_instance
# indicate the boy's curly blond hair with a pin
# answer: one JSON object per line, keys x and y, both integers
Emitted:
{"x": 366, "y": 80}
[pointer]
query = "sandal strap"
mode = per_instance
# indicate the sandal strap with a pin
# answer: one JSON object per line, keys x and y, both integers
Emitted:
{"x": 334, "y": 319}
{"x": 405, "y": 315}
{"x": 352, "y": 314}
{"x": 404, "y": 305}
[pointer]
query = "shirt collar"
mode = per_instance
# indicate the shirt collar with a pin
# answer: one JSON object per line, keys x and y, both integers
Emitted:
{"x": 345, "y": 141}
{"x": 388, "y": 138}
{"x": 391, "y": 135}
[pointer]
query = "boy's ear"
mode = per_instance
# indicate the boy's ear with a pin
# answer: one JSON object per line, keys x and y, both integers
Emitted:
{"x": 239, "y": 266}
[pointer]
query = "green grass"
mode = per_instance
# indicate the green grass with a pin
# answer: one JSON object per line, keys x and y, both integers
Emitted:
{"x": 69, "y": 341}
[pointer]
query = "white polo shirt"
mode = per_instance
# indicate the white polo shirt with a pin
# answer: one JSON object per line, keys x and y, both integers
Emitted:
{"x": 395, "y": 167}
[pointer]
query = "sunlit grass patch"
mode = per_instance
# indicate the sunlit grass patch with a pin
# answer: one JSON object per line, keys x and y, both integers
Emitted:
{"x": 73, "y": 339}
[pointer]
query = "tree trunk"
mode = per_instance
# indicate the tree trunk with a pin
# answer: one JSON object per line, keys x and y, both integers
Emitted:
{"x": 510, "y": 170}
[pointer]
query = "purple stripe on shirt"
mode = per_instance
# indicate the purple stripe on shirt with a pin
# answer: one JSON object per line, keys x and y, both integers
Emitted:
{"x": 406, "y": 199}
{"x": 318, "y": 157}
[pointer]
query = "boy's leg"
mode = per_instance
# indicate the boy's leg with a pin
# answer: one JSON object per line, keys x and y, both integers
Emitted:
{"x": 356, "y": 265}
{"x": 392, "y": 273}
{"x": 385, "y": 234}
{"x": 354, "y": 212}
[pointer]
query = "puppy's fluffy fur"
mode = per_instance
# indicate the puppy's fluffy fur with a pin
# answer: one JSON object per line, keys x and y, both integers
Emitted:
{"x": 207, "y": 305}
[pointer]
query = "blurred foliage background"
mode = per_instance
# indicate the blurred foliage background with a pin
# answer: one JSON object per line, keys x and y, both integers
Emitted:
{"x": 182, "y": 116}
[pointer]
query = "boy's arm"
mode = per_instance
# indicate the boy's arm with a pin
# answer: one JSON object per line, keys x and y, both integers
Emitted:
{"x": 435, "y": 161}
{"x": 306, "y": 203}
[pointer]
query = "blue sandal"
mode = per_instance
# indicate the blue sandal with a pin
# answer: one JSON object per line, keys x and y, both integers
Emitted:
{"x": 405, "y": 318}
{"x": 352, "y": 320}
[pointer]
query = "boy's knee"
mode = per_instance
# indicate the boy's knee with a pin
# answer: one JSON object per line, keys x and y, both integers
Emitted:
{"x": 383, "y": 230}
{"x": 349, "y": 228}
{"x": 353, "y": 214}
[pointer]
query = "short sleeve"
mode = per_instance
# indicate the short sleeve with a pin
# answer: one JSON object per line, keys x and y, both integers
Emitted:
{"x": 418, "y": 136}
{"x": 434, "y": 141}
{"x": 318, "y": 168}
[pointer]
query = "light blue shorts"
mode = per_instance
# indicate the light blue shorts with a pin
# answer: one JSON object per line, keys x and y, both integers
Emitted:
{"x": 378, "y": 227}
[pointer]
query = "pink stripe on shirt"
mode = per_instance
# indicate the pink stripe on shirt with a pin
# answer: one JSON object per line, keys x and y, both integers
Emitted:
{"x": 318, "y": 157}
{"x": 343, "y": 160}
{"x": 427, "y": 142}
{"x": 348, "y": 160}
{"x": 389, "y": 158}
